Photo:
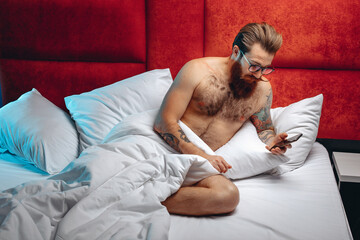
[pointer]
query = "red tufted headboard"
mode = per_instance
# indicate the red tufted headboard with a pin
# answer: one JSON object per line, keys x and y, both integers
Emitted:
{"x": 63, "y": 47}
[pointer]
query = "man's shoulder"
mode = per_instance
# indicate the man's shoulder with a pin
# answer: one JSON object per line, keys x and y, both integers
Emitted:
{"x": 202, "y": 67}
{"x": 194, "y": 69}
{"x": 263, "y": 93}
{"x": 196, "y": 63}
{"x": 205, "y": 62}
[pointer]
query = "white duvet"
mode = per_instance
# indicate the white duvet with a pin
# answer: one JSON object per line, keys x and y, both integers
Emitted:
{"x": 112, "y": 191}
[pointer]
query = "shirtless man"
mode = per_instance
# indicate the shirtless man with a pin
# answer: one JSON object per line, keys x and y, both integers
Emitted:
{"x": 214, "y": 96}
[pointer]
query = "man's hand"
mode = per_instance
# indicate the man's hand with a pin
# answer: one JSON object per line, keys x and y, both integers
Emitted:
{"x": 278, "y": 138}
{"x": 218, "y": 163}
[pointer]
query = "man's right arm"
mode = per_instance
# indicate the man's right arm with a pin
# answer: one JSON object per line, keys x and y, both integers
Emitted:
{"x": 174, "y": 106}
{"x": 172, "y": 109}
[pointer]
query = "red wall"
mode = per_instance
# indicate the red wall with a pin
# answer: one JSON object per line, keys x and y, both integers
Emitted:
{"x": 65, "y": 47}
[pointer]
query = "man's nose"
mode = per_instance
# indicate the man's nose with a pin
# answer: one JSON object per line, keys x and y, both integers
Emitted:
{"x": 257, "y": 74}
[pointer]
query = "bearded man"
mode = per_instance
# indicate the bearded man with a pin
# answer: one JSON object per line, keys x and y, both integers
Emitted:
{"x": 214, "y": 96}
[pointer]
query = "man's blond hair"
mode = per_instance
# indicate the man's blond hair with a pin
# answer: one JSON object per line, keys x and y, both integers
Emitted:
{"x": 261, "y": 33}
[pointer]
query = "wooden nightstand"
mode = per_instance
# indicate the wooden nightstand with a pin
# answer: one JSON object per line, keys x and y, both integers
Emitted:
{"x": 347, "y": 167}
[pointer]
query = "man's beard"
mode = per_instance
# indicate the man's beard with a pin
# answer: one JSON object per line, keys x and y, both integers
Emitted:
{"x": 241, "y": 86}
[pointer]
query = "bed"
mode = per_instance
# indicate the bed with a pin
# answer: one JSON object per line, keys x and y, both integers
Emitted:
{"x": 270, "y": 207}
{"x": 82, "y": 82}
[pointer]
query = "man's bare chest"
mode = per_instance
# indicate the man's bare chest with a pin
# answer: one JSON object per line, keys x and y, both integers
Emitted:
{"x": 215, "y": 98}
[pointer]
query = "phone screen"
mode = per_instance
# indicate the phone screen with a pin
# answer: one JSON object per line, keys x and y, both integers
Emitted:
{"x": 288, "y": 141}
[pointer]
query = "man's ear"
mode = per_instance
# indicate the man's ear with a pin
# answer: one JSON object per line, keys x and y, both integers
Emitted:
{"x": 235, "y": 55}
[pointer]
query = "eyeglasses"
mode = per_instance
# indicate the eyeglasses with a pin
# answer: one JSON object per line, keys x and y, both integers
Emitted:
{"x": 256, "y": 68}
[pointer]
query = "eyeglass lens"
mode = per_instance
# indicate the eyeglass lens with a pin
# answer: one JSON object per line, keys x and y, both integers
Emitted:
{"x": 264, "y": 71}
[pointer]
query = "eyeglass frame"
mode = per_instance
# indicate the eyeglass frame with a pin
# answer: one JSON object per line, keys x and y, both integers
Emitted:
{"x": 260, "y": 67}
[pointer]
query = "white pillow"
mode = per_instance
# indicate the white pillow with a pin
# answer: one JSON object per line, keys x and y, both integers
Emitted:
{"x": 300, "y": 117}
{"x": 34, "y": 128}
{"x": 245, "y": 152}
{"x": 97, "y": 112}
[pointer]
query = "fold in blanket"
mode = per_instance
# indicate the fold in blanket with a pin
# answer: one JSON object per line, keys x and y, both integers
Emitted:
{"x": 113, "y": 190}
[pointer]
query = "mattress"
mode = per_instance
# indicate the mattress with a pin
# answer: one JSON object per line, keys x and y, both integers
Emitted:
{"x": 302, "y": 204}
{"x": 15, "y": 170}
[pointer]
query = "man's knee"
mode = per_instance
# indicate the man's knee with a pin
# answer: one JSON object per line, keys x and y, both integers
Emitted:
{"x": 228, "y": 197}
{"x": 224, "y": 197}
{"x": 225, "y": 194}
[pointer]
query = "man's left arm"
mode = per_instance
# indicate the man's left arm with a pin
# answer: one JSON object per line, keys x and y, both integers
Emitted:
{"x": 265, "y": 128}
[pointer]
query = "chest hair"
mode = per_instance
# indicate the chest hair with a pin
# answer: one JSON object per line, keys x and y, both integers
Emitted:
{"x": 215, "y": 98}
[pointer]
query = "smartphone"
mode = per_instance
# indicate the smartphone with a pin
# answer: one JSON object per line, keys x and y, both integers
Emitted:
{"x": 287, "y": 141}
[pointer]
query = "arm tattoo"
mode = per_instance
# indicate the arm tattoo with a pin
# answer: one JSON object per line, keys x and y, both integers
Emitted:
{"x": 262, "y": 119}
{"x": 183, "y": 136}
{"x": 266, "y": 136}
{"x": 171, "y": 140}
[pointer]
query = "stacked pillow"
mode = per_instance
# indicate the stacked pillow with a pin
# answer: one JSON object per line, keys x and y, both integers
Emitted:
{"x": 97, "y": 112}
{"x": 300, "y": 117}
{"x": 247, "y": 154}
{"x": 34, "y": 128}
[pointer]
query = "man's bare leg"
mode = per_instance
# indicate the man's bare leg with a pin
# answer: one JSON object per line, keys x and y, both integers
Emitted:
{"x": 212, "y": 195}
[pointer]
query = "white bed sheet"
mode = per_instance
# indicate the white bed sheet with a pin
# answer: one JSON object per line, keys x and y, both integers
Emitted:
{"x": 302, "y": 204}
{"x": 14, "y": 170}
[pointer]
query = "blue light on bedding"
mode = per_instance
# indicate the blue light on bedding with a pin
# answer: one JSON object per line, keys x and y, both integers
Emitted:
{"x": 15, "y": 170}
